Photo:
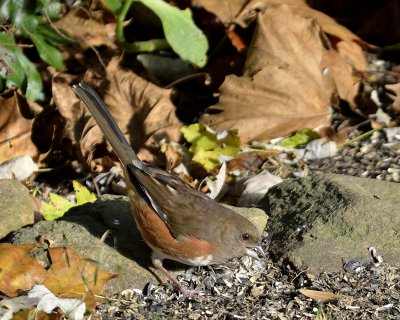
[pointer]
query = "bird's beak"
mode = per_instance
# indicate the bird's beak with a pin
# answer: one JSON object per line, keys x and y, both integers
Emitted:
{"x": 256, "y": 253}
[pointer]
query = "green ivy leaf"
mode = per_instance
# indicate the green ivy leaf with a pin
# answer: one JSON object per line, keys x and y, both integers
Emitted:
{"x": 184, "y": 37}
{"x": 208, "y": 147}
{"x": 200, "y": 138}
{"x": 51, "y": 9}
{"x": 300, "y": 138}
{"x": 22, "y": 15}
{"x": 47, "y": 52}
{"x": 5, "y": 10}
{"x": 54, "y": 37}
{"x": 12, "y": 9}
{"x": 16, "y": 69}
{"x": 83, "y": 194}
{"x": 34, "y": 87}
{"x": 58, "y": 206}
{"x": 10, "y": 67}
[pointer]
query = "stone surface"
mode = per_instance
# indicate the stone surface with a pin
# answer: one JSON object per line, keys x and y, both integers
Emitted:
{"x": 16, "y": 206}
{"x": 319, "y": 222}
{"x": 255, "y": 215}
{"x": 123, "y": 251}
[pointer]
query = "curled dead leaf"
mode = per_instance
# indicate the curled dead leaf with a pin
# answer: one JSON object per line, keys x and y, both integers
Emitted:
{"x": 226, "y": 11}
{"x": 142, "y": 110}
{"x": 283, "y": 88}
{"x": 348, "y": 44}
{"x": 85, "y": 30}
{"x": 323, "y": 296}
{"x": 18, "y": 271}
{"x": 396, "y": 97}
{"x": 341, "y": 72}
{"x": 73, "y": 276}
{"x": 15, "y": 127}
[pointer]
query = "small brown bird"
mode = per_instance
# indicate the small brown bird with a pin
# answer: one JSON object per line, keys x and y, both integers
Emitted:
{"x": 176, "y": 221}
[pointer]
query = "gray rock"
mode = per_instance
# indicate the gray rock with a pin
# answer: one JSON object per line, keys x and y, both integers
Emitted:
{"x": 16, "y": 206}
{"x": 255, "y": 215}
{"x": 320, "y": 221}
{"x": 123, "y": 250}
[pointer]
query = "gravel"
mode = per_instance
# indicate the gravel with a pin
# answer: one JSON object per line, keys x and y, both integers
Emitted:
{"x": 374, "y": 157}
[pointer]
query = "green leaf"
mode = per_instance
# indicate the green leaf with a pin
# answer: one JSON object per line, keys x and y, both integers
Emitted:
{"x": 47, "y": 52}
{"x": 28, "y": 25}
{"x": 113, "y": 5}
{"x": 16, "y": 68}
{"x": 34, "y": 88}
{"x": 12, "y": 9}
{"x": 182, "y": 34}
{"x": 21, "y": 13}
{"x": 51, "y": 9}
{"x": 83, "y": 194}
{"x": 300, "y": 138}
{"x": 55, "y": 37}
{"x": 10, "y": 67}
{"x": 208, "y": 159}
{"x": 58, "y": 206}
{"x": 200, "y": 138}
{"x": 5, "y": 10}
{"x": 208, "y": 147}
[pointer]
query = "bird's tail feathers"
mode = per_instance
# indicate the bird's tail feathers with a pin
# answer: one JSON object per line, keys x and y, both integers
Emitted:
{"x": 107, "y": 124}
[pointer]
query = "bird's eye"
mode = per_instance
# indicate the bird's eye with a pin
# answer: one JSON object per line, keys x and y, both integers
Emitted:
{"x": 246, "y": 237}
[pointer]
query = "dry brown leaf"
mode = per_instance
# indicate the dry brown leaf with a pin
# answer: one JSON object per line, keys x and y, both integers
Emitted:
{"x": 251, "y": 161}
{"x": 396, "y": 97}
{"x": 329, "y": 25}
{"x": 85, "y": 30}
{"x": 37, "y": 315}
{"x": 341, "y": 72}
{"x": 346, "y": 42}
{"x": 225, "y": 10}
{"x": 323, "y": 296}
{"x": 73, "y": 276}
{"x": 353, "y": 54}
{"x": 283, "y": 88}
{"x": 142, "y": 110}
{"x": 18, "y": 272}
{"x": 15, "y": 127}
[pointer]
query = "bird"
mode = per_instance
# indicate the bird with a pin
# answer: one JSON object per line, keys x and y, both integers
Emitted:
{"x": 176, "y": 221}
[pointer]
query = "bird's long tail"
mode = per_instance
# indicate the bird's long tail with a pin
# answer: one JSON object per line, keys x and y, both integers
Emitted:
{"x": 107, "y": 124}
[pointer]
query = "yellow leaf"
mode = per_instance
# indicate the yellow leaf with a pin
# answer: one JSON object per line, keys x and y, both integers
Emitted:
{"x": 83, "y": 194}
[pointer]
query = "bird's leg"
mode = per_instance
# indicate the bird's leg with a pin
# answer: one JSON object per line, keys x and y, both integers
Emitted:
{"x": 157, "y": 263}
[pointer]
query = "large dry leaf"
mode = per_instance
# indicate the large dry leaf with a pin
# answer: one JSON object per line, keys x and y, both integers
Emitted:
{"x": 73, "y": 276}
{"x": 15, "y": 127}
{"x": 395, "y": 88}
{"x": 341, "y": 72}
{"x": 85, "y": 30}
{"x": 142, "y": 110}
{"x": 18, "y": 271}
{"x": 343, "y": 40}
{"x": 328, "y": 24}
{"x": 283, "y": 88}
{"x": 347, "y": 43}
{"x": 225, "y": 10}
